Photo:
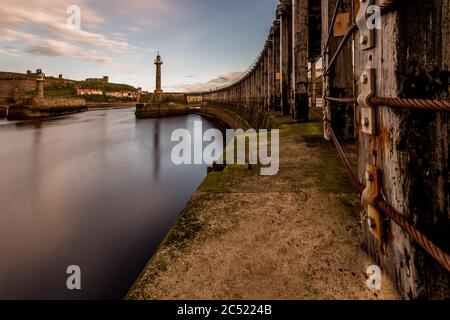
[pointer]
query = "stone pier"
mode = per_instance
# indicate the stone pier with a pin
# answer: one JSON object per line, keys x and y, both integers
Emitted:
{"x": 406, "y": 58}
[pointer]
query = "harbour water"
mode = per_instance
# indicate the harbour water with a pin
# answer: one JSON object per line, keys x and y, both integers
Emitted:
{"x": 97, "y": 190}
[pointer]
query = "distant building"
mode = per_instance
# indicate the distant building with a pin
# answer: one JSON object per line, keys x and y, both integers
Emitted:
{"x": 123, "y": 94}
{"x": 83, "y": 92}
{"x": 100, "y": 81}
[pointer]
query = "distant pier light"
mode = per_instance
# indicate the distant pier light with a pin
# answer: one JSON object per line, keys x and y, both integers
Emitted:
{"x": 40, "y": 83}
{"x": 158, "y": 63}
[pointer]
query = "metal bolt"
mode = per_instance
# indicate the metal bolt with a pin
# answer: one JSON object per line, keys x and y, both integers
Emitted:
{"x": 363, "y": 40}
{"x": 364, "y": 79}
{"x": 369, "y": 176}
{"x": 372, "y": 223}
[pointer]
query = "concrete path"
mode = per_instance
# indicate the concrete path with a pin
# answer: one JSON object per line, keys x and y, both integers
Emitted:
{"x": 295, "y": 235}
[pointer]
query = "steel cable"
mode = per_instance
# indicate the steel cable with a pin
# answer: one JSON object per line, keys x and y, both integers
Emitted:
{"x": 437, "y": 253}
{"x": 424, "y": 104}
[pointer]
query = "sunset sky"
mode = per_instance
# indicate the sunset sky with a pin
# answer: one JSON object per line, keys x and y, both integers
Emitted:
{"x": 204, "y": 43}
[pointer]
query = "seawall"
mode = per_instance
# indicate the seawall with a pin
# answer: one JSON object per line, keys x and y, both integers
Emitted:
{"x": 228, "y": 115}
{"x": 107, "y": 105}
{"x": 45, "y": 107}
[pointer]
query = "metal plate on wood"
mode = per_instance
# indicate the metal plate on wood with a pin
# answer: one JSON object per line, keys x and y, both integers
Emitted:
{"x": 342, "y": 24}
{"x": 278, "y": 76}
{"x": 370, "y": 196}
{"x": 368, "y": 120}
{"x": 366, "y": 35}
{"x": 367, "y": 85}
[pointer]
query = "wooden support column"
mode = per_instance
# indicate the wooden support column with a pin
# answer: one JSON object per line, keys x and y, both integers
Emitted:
{"x": 340, "y": 77}
{"x": 284, "y": 14}
{"x": 325, "y": 7}
{"x": 277, "y": 69}
{"x": 411, "y": 59}
{"x": 261, "y": 82}
{"x": 313, "y": 86}
{"x": 266, "y": 77}
{"x": 300, "y": 58}
{"x": 247, "y": 91}
{"x": 271, "y": 72}
{"x": 258, "y": 84}
{"x": 253, "y": 87}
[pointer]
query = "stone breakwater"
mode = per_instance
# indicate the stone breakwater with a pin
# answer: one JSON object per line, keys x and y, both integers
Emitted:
{"x": 172, "y": 110}
{"x": 45, "y": 107}
{"x": 221, "y": 114}
{"x": 295, "y": 235}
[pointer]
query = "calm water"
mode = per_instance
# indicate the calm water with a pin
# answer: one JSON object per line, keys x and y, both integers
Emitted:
{"x": 97, "y": 190}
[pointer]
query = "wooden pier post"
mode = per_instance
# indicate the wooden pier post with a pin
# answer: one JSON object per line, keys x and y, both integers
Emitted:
{"x": 300, "y": 59}
{"x": 411, "y": 58}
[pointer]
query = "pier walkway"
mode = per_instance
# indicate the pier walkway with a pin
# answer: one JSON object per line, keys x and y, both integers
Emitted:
{"x": 294, "y": 235}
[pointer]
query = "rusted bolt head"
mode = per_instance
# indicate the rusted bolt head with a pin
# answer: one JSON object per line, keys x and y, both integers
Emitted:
{"x": 369, "y": 176}
{"x": 364, "y": 79}
{"x": 362, "y": 39}
{"x": 366, "y": 122}
{"x": 372, "y": 223}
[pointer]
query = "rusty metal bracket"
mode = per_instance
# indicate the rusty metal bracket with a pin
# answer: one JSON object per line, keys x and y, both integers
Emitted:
{"x": 366, "y": 35}
{"x": 367, "y": 85}
{"x": 370, "y": 196}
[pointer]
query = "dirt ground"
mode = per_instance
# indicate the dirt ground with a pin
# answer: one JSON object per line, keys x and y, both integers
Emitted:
{"x": 295, "y": 235}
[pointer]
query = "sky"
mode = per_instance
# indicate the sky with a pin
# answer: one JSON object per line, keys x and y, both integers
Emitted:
{"x": 203, "y": 43}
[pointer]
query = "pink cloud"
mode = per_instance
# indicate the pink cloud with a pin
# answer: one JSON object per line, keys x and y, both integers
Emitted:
{"x": 60, "y": 48}
{"x": 219, "y": 81}
{"x": 53, "y": 19}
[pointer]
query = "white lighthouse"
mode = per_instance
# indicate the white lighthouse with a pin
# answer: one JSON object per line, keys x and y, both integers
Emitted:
{"x": 158, "y": 63}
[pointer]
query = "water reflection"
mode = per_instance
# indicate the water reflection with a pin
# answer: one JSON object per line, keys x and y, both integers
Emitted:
{"x": 156, "y": 150}
{"x": 95, "y": 189}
